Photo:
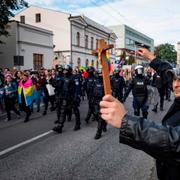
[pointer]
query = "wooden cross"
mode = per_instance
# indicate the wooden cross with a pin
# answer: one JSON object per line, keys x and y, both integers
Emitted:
{"x": 101, "y": 52}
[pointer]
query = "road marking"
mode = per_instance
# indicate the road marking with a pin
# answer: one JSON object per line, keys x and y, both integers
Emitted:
{"x": 24, "y": 143}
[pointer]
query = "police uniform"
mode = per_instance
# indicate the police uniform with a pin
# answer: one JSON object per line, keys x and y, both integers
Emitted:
{"x": 98, "y": 92}
{"x": 88, "y": 87}
{"x": 138, "y": 85}
{"x": 68, "y": 94}
{"x": 117, "y": 84}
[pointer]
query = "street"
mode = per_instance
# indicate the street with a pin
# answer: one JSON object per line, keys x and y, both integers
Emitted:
{"x": 71, "y": 155}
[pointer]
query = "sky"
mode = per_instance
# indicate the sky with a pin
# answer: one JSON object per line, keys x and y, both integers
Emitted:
{"x": 158, "y": 19}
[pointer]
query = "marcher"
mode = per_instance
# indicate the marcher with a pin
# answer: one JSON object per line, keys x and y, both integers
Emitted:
{"x": 26, "y": 95}
{"x": 156, "y": 84}
{"x": 10, "y": 92}
{"x": 161, "y": 141}
{"x": 1, "y": 91}
{"x": 48, "y": 92}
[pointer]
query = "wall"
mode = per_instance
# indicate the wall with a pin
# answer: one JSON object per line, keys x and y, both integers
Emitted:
{"x": 24, "y": 40}
{"x": 55, "y": 21}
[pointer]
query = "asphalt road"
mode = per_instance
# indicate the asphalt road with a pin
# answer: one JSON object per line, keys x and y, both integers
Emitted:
{"x": 71, "y": 155}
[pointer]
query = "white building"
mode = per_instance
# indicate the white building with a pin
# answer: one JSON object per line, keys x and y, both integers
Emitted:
{"x": 129, "y": 40}
{"x": 178, "y": 53}
{"x": 27, "y": 47}
{"x": 74, "y": 36}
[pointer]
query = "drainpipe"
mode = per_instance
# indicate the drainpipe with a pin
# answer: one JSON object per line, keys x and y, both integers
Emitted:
{"x": 71, "y": 61}
{"x": 18, "y": 45}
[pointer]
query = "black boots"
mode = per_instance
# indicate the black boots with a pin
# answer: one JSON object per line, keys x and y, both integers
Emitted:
{"x": 44, "y": 113}
{"x": 57, "y": 129}
{"x": 97, "y": 136}
{"x": 155, "y": 108}
{"x": 27, "y": 118}
{"x": 77, "y": 127}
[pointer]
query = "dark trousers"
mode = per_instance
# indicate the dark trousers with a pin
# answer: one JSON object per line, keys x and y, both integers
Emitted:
{"x": 48, "y": 99}
{"x": 101, "y": 123}
{"x": 90, "y": 109}
{"x": 64, "y": 109}
{"x": 161, "y": 94}
{"x": 24, "y": 107}
{"x": 118, "y": 95}
{"x": 10, "y": 105}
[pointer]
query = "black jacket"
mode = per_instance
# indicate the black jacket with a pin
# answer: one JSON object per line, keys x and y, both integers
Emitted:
{"x": 161, "y": 141}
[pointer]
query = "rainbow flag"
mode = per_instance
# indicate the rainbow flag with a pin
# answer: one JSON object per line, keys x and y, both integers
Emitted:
{"x": 82, "y": 68}
{"x": 109, "y": 62}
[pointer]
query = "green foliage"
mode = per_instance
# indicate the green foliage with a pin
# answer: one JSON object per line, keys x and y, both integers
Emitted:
{"x": 7, "y": 7}
{"x": 166, "y": 52}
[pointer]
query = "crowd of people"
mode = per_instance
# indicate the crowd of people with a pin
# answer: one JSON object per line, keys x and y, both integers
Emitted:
{"x": 63, "y": 89}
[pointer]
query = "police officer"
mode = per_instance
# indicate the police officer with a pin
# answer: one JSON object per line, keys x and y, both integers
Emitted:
{"x": 68, "y": 93}
{"x": 77, "y": 98}
{"x": 98, "y": 92}
{"x": 88, "y": 87}
{"x": 58, "y": 84}
{"x": 117, "y": 84}
{"x": 138, "y": 85}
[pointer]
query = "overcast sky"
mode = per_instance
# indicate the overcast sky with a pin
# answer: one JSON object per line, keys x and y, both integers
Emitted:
{"x": 159, "y": 19}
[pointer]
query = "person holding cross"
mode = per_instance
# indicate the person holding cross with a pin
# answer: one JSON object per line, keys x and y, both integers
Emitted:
{"x": 161, "y": 141}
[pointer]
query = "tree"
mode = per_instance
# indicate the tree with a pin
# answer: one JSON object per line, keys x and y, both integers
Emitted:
{"x": 167, "y": 52}
{"x": 7, "y": 9}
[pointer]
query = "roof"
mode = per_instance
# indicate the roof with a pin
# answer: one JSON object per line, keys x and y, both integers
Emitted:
{"x": 92, "y": 23}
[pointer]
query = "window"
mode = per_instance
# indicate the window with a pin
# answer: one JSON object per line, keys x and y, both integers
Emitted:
{"x": 86, "y": 41}
{"x": 96, "y": 43}
{"x": 37, "y": 61}
{"x": 78, "y": 38}
{"x": 38, "y": 17}
{"x": 92, "y": 42}
{"x": 79, "y": 62}
{"x": 87, "y": 62}
{"x": 22, "y": 19}
{"x": 92, "y": 63}
{"x": 127, "y": 41}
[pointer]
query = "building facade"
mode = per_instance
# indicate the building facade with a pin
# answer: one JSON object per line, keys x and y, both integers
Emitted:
{"x": 129, "y": 40}
{"x": 74, "y": 36}
{"x": 85, "y": 35}
{"x": 21, "y": 48}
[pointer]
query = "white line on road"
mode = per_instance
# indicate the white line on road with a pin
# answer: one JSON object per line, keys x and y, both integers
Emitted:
{"x": 24, "y": 143}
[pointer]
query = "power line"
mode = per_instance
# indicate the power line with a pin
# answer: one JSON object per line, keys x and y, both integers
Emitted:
{"x": 117, "y": 11}
{"x": 104, "y": 10}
